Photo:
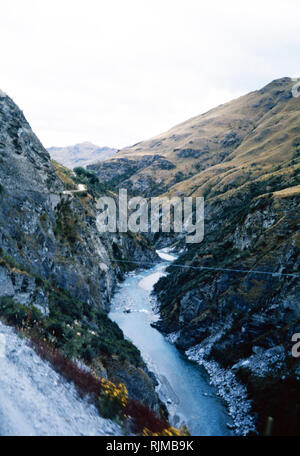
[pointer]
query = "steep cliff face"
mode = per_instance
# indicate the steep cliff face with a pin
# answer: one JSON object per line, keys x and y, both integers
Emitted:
{"x": 47, "y": 229}
{"x": 244, "y": 320}
{"x": 53, "y": 260}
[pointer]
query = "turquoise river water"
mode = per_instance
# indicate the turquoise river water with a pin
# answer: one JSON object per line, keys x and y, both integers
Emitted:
{"x": 183, "y": 386}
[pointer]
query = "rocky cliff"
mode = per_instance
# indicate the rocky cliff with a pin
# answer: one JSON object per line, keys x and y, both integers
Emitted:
{"x": 54, "y": 264}
{"x": 244, "y": 321}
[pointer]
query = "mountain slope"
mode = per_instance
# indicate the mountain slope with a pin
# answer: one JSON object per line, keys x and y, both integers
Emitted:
{"x": 244, "y": 158}
{"x": 56, "y": 268}
{"x": 235, "y": 143}
{"x": 243, "y": 320}
{"x": 81, "y": 154}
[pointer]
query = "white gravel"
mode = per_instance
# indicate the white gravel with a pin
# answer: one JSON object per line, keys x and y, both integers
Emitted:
{"x": 35, "y": 400}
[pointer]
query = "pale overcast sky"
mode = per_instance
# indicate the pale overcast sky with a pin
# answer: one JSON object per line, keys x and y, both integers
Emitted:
{"x": 116, "y": 72}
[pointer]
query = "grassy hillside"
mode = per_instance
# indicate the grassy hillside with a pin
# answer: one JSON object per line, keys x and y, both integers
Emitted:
{"x": 244, "y": 158}
{"x": 254, "y": 138}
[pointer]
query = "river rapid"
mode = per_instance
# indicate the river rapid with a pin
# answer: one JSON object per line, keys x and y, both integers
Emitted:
{"x": 183, "y": 385}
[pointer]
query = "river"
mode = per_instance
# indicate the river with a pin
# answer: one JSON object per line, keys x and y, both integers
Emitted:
{"x": 183, "y": 386}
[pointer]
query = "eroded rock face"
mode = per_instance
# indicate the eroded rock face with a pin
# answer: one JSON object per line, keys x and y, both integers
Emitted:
{"x": 136, "y": 175}
{"x": 139, "y": 383}
{"x": 49, "y": 238}
{"x": 53, "y": 235}
{"x": 244, "y": 321}
{"x": 190, "y": 152}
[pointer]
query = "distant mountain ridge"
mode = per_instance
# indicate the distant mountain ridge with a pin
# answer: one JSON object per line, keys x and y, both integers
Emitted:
{"x": 81, "y": 154}
{"x": 216, "y": 152}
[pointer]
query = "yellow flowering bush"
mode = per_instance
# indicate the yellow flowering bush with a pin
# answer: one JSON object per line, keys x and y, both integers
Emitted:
{"x": 169, "y": 432}
{"x": 113, "y": 398}
{"x": 114, "y": 392}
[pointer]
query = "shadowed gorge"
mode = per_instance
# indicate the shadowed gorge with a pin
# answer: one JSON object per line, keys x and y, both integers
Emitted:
{"x": 229, "y": 304}
{"x": 243, "y": 157}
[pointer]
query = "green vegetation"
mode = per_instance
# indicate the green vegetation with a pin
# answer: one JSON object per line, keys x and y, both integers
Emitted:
{"x": 78, "y": 330}
{"x": 17, "y": 314}
{"x": 10, "y": 263}
{"x": 66, "y": 223}
{"x": 80, "y": 175}
{"x": 86, "y": 332}
{"x": 91, "y": 180}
